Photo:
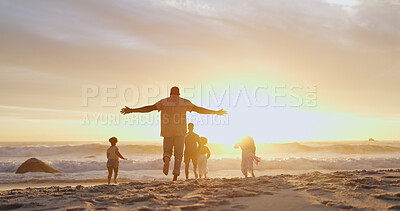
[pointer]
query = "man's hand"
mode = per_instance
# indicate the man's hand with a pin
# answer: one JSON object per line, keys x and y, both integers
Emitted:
{"x": 144, "y": 109}
{"x": 222, "y": 112}
{"x": 125, "y": 110}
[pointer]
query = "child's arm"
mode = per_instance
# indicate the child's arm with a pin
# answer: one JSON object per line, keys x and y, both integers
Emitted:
{"x": 208, "y": 153}
{"x": 198, "y": 142}
{"x": 119, "y": 155}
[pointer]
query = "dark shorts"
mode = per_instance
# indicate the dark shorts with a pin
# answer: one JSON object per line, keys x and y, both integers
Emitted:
{"x": 112, "y": 163}
{"x": 187, "y": 159}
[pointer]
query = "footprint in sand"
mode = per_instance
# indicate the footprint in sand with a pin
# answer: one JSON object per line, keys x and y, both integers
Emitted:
{"x": 239, "y": 206}
{"x": 10, "y": 206}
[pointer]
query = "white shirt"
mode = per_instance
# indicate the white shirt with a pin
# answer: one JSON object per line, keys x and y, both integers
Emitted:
{"x": 173, "y": 115}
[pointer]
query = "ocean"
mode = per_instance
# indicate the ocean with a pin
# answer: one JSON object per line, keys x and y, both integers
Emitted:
{"x": 82, "y": 162}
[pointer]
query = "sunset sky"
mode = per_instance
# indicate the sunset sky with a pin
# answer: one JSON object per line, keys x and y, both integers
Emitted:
{"x": 347, "y": 51}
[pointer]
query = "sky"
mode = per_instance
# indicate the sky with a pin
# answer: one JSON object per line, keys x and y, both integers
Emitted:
{"x": 287, "y": 70}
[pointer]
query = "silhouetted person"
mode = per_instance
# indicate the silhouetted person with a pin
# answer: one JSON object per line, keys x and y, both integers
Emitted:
{"x": 204, "y": 154}
{"x": 112, "y": 162}
{"x": 192, "y": 141}
{"x": 248, "y": 155}
{"x": 173, "y": 125}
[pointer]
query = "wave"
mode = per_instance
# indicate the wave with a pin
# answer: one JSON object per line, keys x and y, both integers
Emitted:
{"x": 226, "y": 164}
{"x": 364, "y": 148}
{"x": 85, "y": 150}
{"x": 76, "y": 150}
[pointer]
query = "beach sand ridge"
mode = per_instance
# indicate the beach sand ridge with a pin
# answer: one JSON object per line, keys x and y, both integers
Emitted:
{"x": 355, "y": 190}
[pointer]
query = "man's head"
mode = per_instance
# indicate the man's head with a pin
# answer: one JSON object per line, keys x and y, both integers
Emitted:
{"x": 190, "y": 127}
{"x": 174, "y": 91}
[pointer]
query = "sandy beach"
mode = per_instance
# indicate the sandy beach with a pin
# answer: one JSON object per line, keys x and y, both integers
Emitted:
{"x": 179, "y": 101}
{"x": 358, "y": 190}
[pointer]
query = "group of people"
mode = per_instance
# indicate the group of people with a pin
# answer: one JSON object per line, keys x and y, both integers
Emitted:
{"x": 177, "y": 140}
{"x": 197, "y": 152}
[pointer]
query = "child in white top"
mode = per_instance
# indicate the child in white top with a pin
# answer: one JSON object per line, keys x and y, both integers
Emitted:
{"x": 248, "y": 155}
{"x": 112, "y": 156}
{"x": 204, "y": 154}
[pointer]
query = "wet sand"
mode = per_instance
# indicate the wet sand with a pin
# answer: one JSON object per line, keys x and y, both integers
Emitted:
{"x": 370, "y": 190}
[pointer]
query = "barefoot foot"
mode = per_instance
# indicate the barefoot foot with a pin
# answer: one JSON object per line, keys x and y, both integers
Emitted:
{"x": 166, "y": 165}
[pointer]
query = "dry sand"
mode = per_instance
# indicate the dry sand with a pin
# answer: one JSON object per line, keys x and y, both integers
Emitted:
{"x": 357, "y": 190}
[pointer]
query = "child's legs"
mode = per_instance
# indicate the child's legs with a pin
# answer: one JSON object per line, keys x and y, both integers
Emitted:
{"x": 200, "y": 171}
{"x": 202, "y": 162}
{"x": 251, "y": 168}
{"x": 115, "y": 174}
{"x": 110, "y": 170}
{"x": 205, "y": 166}
{"x": 245, "y": 173}
{"x": 244, "y": 168}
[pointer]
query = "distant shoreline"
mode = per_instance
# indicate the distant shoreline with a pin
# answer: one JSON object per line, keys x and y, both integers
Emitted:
{"x": 159, "y": 142}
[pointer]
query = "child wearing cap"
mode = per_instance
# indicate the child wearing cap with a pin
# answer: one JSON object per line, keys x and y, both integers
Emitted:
{"x": 113, "y": 155}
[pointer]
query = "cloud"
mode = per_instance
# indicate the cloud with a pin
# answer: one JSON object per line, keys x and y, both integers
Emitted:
{"x": 346, "y": 50}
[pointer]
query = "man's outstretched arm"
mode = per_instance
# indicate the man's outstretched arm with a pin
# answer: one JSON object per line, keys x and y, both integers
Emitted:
{"x": 143, "y": 109}
{"x": 202, "y": 110}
